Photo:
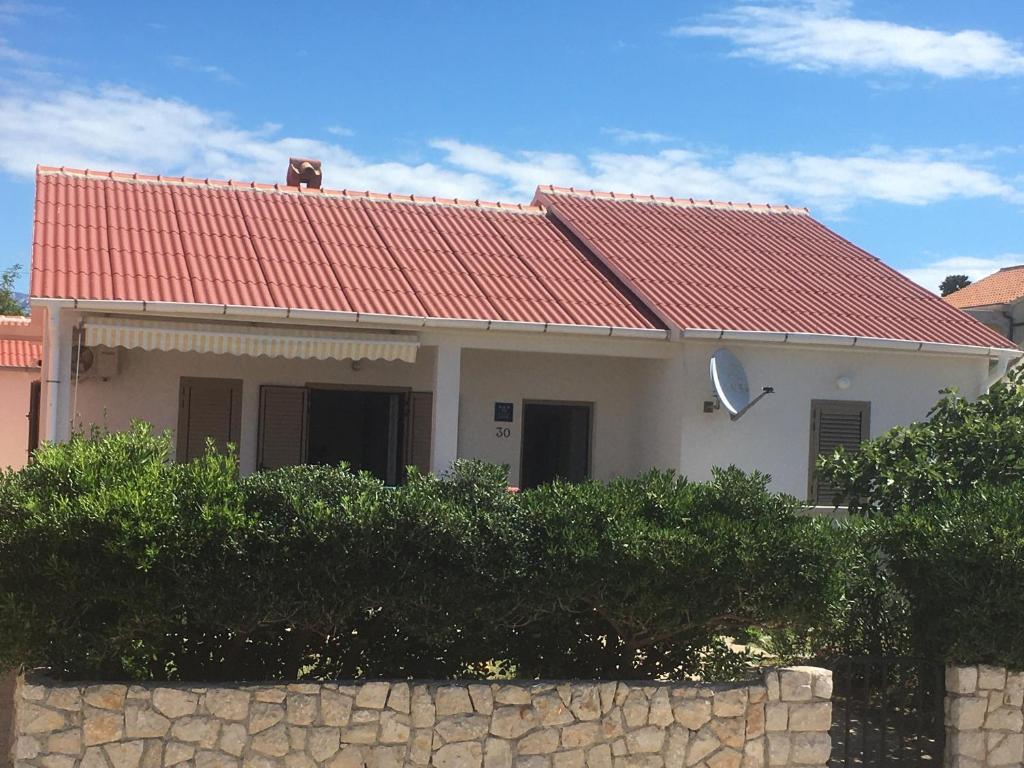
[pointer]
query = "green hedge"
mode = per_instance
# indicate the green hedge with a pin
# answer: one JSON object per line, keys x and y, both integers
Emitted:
{"x": 115, "y": 563}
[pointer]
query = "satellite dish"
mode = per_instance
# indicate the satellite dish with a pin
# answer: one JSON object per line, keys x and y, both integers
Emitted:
{"x": 729, "y": 379}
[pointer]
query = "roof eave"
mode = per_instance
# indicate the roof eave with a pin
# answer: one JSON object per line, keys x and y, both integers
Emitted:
{"x": 860, "y": 342}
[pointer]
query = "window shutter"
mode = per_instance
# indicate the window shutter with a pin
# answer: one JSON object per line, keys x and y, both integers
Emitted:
{"x": 835, "y": 424}
{"x": 283, "y": 427}
{"x": 421, "y": 408}
{"x": 208, "y": 408}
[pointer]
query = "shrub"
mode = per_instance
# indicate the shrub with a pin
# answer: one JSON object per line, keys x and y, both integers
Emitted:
{"x": 960, "y": 562}
{"x": 115, "y": 563}
{"x": 961, "y": 446}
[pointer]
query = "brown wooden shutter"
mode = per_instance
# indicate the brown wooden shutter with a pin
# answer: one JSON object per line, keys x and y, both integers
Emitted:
{"x": 208, "y": 408}
{"x": 283, "y": 428}
{"x": 421, "y": 414}
{"x": 835, "y": 424}
{"x": 33, "y": 417}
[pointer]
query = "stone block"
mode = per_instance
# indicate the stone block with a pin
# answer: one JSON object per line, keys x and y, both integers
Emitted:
{"x": 67, "y": 742}
{"x": 335, "y": 708}
{"x": 573, "y": 758}
{"x": 33, "y": 718}
{"x": 1005, "y": 719}
{"x": 372, "y": 695}
{"x": 771, "y": 685}
{"x": 755, "y": 720}
{"x": 675, "y": 747}
{"x": 636, "y": 708}
{"x": 273, "y": 741}
{"x": 100, "y": 727}
{"x": 701, "y": 745}
{"x": 816, "y": 716}
{"x": 731, "y": 731}
{"x": 140, "y": 721}
{"x": 233, "y": 739}
{"x": 795, "y": 684}
{"x": 105, "y": 696}
{"x": 125, "y": 754}
{"x": 196, "y": 730}
{"x": 399, "y": 698}
{"x": 497, "y": 753}
{"x": 465, "y": 754}
{"x": 422, "y": 706}
{"x": 94, "y": 758}
{"x": 725, "y": 758}
{"x": 208, "y": 758}
{"x": 57, "y": 761}
{"x": 350, "y": 756}
{"x": 540, "y": 742}
{"x": 991, "y": 678}
{"x": 607, "y": 693}
{"x": 586, "y": 702}
{"x": 730, "y": 703}
{"x": 753, "y": 754}
{"x": 512, "y": 722}
{"x": 511, "y": 694}
{"x": 1013, "y": 695}
{"x": 359, "y": 734}
{"x": 323, "y": 742}
{"x": 228, "y": 703}
{"x": 645, "y": 740}
{"x": 967, "y": 744}
{"x": 452, "y": 700}
{"x": 420, "y": 746}
{"x": 462, "y": 727}
{"x": 661, "y": 709}
{"x": 550, "y": 709}
{"x": 175, "y": 702}
{"x": 776, "y": 716}
{"x": 1005, "y": 749}
{"x": 302, "y": 708}
{"x": 597, "y": 757}
{"x": 533, "y": 761}
{"x": 778, "y": 749}
{"x": 67, "y": 698}
{"x": 810, "y": 748}
{"x": 692, "y": 713}
{"x": 264, "y": 716}
{"x": 961, "y": 680}
{"x": 581, "y": 735}
{"x": 967, "y": 713}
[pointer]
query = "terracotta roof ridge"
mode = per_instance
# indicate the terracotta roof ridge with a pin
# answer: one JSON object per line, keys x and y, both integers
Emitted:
{"x": 1002, "y": 269}
{"x": 685, "y": 202}
{"x": 254, "y": 186}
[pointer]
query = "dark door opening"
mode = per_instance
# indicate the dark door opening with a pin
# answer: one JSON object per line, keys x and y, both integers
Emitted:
{"x": 359, "y": 427}
{"x": 556, "y": 443}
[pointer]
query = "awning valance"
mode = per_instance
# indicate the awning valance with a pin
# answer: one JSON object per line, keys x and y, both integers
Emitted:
{"x": 254, "y": 341}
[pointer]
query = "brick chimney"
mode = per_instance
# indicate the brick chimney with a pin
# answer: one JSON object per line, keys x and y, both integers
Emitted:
{"x": 304, "y": 172}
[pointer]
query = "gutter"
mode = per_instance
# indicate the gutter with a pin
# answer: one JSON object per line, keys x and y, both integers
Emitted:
{"x": 329, "y": 316}
{"x": 860, "y": 342}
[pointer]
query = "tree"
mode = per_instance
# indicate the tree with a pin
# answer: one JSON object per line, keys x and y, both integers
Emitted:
{"x": 953, "y": 283}
{"x": 9, "y": 304}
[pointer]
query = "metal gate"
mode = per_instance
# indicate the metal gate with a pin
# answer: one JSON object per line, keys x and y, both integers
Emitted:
{"x": 887, "y": 712}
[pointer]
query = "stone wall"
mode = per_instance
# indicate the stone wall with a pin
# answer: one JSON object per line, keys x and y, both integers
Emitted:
{"x": 984, "y": 717}
{"x": 782, "y": 720}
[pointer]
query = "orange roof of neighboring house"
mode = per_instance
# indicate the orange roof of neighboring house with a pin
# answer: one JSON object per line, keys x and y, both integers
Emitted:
{"x": 599, "y": 259}
{"x": 710, "y": 265}
{"x": 1003, "y": 287}
{"x": 120, "y": 236}
{"x": 20, "y": 353}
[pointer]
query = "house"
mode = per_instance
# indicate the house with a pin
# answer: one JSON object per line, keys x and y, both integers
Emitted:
{"x": 570, "y": 337}
{"x": 21, "y": 342}
{"x": 997, "y": 301}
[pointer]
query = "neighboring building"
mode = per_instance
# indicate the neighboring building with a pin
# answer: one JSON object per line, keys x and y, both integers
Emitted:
{"x": 997, "y": 301}
{"x": 570, "y": 337}
{"x": 20, "y": 359}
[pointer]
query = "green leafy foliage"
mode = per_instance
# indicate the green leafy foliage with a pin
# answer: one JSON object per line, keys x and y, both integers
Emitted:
{"x": 962, "y": 445}
{"x": 953, "y": 283}
{"x": 116, "y": 563}
{"x": 9, "y": 304}
{"x": 960, "y": 563}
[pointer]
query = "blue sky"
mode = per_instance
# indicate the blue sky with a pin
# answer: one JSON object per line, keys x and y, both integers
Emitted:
{"x": 898, "y": 123}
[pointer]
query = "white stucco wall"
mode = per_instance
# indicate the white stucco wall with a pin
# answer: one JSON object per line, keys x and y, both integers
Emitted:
{"x": 648, "y": 410}
{"x": 15, "y": 388}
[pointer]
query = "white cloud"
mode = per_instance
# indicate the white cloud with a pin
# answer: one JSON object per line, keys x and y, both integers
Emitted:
{"x": 626, "y": 136}
{"x": 826, "y": 35}
{"x": 122, "y": 129}
{"x": 930, "y": 274}
{"x": 191, "y": 65}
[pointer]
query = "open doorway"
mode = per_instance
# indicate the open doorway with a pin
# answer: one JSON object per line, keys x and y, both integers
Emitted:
{"x": 556, "y": 443}
{"x": 361, "y": 427}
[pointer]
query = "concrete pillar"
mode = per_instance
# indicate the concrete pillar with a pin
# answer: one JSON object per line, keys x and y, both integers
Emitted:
{"x": 444, "y": 447}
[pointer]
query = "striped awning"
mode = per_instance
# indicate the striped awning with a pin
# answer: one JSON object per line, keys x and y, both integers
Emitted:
{"x": 254, "y": 341}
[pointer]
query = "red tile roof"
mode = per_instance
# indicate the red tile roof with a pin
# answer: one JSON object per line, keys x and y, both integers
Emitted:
{"x": 721, "y": 266}
{"x": 1003, "y": 287}
{"x": 144, "y": 238}
{"x": 20, "y": 353}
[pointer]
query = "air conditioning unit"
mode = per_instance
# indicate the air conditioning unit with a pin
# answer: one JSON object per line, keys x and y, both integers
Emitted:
{"x": 94, "y": 363}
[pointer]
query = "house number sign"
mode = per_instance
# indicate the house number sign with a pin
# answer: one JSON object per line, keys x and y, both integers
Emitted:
{"x": 503, "y": 413}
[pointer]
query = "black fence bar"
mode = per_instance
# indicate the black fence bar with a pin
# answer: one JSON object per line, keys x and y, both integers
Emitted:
{"x": 887, "y": 712}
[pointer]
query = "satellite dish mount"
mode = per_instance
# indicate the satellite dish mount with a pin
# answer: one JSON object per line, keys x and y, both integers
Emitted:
{"x": 729, "y": 380}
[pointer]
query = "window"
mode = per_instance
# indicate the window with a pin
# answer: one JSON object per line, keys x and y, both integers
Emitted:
{"x": 379, "y": 431}
{"x": 556, "y": 443}
{"x": 208, "y": 408}
{"x": 834, "y": 424}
